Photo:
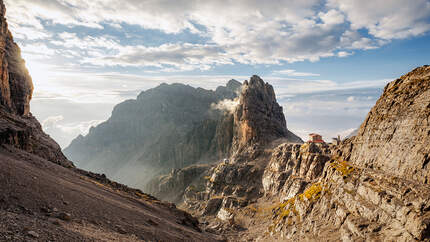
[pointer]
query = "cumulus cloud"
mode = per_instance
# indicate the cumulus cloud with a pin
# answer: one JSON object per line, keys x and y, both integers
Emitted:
{"x": 394, "y": 19}
{"x": 246, "y": 32}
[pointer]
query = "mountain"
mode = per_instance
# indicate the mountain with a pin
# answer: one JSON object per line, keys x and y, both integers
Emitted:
{"x": 171, "y": 127}
{"x": 373, "y": 186}
{"x": 259, "y": 119}
{"x": 45, "y": 198}
{"x": 257, "y": 122}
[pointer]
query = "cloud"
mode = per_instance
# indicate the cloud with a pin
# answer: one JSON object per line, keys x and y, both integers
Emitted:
{"x": 332, "y": 17}
{"x": 63, "y": 131}
{"x": 245, "y": 32}
{"x": 290, "y": 72}
{"x": 394, "y": 19}
{"x": 344, "y": 53}
{"x": 51, "y": 122}
{"x": 226, "y": 105}
{"x": 177, "y": 57}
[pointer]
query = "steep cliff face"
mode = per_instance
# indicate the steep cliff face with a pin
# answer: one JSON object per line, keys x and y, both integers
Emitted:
{"x": 304, "y": 162}
{"x": 18, "y": 128}
{"x": 259, "y": 119}
{"x": 16, "y": 86}
{"x": 170, "y": 126}
{"x": 395, "y": 134}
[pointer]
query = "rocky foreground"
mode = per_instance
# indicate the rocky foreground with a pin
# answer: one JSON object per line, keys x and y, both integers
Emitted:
{"x": 373, "y": 186}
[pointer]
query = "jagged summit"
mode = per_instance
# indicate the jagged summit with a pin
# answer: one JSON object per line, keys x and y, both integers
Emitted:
{"x": 258, "y": 118}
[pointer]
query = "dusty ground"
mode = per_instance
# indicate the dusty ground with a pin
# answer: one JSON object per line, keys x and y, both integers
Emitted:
{"x": 41, "y": 201}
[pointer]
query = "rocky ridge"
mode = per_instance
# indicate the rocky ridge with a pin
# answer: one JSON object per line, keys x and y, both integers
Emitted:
{"x": 373, "y": 186}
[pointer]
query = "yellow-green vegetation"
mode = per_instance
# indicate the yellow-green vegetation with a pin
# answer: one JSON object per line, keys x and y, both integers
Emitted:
{"x": 287, "y": 208}
{"x": 342, "y": 167}
{"x": 312, "y": 193}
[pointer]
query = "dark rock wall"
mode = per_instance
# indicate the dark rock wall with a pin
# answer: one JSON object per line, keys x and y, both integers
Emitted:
{"x": 18, "y": 128}
{"x": 16, "y": 86}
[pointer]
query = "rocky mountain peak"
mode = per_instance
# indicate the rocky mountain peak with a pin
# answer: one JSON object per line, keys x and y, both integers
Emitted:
{"x": 16, "y": 86}
{"x": 258, "y": 118}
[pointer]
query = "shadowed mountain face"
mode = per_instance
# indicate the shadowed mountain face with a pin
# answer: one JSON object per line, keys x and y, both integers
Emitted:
{"x": 170, "y": 126}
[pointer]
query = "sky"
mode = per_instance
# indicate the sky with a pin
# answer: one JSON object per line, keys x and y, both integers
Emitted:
{"x": 328, "y": 60}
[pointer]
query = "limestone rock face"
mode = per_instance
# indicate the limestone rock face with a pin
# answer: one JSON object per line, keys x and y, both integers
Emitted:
{"x": 18, "y": 128}
{"x": 306, "y": 161}
{"x": 259, "y": 119}
{"x": 395, "y": 134}
{"x": 16, "y": 86}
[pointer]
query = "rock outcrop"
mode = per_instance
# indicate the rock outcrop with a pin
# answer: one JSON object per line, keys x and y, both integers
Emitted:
{"x": 259, "y": 119}
{"x": 304, "y": 162}
{"x": 16, "y": 86}
{"x": 18, "y": 128}
{"x": 395, "y": 134}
